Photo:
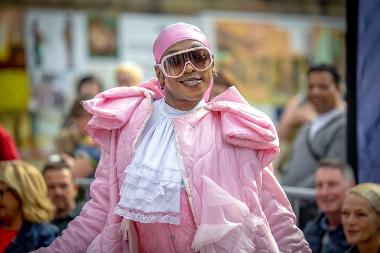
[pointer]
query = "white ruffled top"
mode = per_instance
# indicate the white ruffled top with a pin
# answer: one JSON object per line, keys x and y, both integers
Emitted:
{"x": 151, "y": 188}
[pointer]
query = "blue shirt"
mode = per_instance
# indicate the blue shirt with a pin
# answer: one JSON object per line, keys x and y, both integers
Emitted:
{"x": 323, "y": 239}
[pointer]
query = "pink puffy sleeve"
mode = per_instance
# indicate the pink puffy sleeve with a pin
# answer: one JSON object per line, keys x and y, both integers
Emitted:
{"x": 111, "y": 110}
{"x": 270, "y": 213}
{"x": 84, "y": 228}
{"x": 280, "y": 216}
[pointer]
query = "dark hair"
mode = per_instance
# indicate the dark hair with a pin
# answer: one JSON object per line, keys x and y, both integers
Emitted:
{"x": 220, "y": 78}
{"x": 328, "y": 68}
{"x": 345, "y": 168}
{"x": 60, "y": 165}
{"x": 77, "y": 109}
{"x": 88, "y": 79}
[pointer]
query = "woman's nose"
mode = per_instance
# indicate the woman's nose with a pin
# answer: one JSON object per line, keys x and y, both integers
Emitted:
{"x": 189, "y": 67}
{"x": 351, "y": 219}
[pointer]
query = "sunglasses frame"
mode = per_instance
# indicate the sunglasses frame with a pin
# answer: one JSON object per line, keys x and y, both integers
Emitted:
{"x": 160, "y": 65}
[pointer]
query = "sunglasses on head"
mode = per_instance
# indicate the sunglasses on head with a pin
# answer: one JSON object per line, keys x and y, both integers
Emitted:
{"x": 173, "y": 65}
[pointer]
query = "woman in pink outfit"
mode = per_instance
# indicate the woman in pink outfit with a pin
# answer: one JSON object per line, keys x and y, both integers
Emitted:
{"x": 179, "y": 173}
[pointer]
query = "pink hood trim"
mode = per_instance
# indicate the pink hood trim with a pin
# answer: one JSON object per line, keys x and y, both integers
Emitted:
{"x": 113, "y": 108}
{"x": 246, "y": 126}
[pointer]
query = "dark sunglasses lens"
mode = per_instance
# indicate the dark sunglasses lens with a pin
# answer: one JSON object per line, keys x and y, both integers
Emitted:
{"x": 200, "y": 58}
{"x": 174, "y": 65}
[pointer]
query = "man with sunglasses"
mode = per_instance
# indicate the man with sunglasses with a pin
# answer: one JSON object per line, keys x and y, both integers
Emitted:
{"x": 180, "y": 173}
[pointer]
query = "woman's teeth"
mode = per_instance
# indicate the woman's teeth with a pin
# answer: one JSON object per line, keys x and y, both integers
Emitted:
{"x": 191, "y": 82}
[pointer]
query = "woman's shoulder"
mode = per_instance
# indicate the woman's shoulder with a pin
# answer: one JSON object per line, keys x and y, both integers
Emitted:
{"x": 232, "y": 101}
{"x": 242, "y": 124}
{"x": 236, "y": 111}
{"x": 114, "y": 99}
{"x": 44, "y": 228}
{"x": 112, "y": 108}
{"x": 33, "y": 235}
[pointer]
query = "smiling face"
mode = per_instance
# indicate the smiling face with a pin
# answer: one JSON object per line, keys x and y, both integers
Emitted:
{"x": 10, "y": 204}
{"x": 322, "y": 92}
{"x": 360, "y": 221}
{"x": 331, "y": 186}
{"x": 185, "y": 92}
{"x": 61, "y": 189}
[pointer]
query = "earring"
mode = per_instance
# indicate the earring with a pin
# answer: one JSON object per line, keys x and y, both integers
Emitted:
{"x": 162, "y": 86}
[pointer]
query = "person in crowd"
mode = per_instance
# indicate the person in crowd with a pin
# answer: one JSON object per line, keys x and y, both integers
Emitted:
{"x": 128, "y": 74}
{"x": 325, "y": 233}
{"x": 66, "y": 140}
{"x": 86, "y": 152}
{"x": 62, "y": 191}
{"x": 297, "y": 112}
{"x": 74, "y": 145}
{"x": 179, "y": 173}
{"x": 221, "y": 83}
{"x": 25, "y": 208}
{"x": 88, "y": 85}
{"x": 8, "y": 148}
{"x": 361, "y": 218}
{"x": 325, "y": 136}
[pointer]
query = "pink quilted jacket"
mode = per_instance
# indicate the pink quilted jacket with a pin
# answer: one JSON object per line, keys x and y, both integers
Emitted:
{"x": 226, "y": 148}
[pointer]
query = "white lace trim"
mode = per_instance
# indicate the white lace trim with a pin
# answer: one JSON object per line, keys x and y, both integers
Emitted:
{"x": 165, "y": 174}
{"x": 138, "y": 191}
{"x": 136, "y": 215}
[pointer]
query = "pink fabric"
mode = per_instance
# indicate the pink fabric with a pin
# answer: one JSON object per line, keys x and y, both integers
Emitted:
{"x": 162, "y": 237}
{"x": 236, "y": 202}
{"x": 174, "y": 33}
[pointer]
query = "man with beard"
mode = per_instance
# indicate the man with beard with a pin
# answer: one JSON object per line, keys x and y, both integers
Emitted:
{"x": 62, "y": 191}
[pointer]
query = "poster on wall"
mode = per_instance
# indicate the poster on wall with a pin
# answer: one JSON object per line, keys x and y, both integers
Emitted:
{"x": 102, "y": 35}
{"x": 14, "y": 83}
{"x": 268, "y": 57}
{"x": 328, "y": 45}
{"x": 12, "y": 53}
{"x": 56, "y": 42}
{"x": 14, "y": 87}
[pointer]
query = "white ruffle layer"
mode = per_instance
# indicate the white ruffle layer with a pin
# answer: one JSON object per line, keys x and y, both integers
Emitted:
{"x": 151, "y": 188}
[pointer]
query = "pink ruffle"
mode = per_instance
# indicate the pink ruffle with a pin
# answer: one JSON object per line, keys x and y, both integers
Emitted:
{"x": 227, "y": 225}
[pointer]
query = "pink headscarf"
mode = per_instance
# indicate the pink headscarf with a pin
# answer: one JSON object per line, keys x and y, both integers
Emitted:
{"x": 175, "y": 33}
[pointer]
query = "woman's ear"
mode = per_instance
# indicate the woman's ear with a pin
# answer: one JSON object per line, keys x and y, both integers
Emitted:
{"x": 159, "y": 74}
{"x": 160, "y": 77}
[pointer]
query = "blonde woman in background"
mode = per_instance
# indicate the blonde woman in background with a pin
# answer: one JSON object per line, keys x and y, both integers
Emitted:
{"x": 128, "y": 74}
{"x": 24, "y": 209}
{"x": 361, "y": 218}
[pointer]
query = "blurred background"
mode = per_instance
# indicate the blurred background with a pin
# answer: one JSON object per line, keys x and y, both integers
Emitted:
{"x": 46, "y": 46}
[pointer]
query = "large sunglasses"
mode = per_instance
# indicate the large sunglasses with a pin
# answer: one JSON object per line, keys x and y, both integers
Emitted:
{"x": 173, "y": 65}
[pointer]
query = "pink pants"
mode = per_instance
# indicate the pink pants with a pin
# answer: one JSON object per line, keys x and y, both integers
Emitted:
{"x": 168, "y": 238}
